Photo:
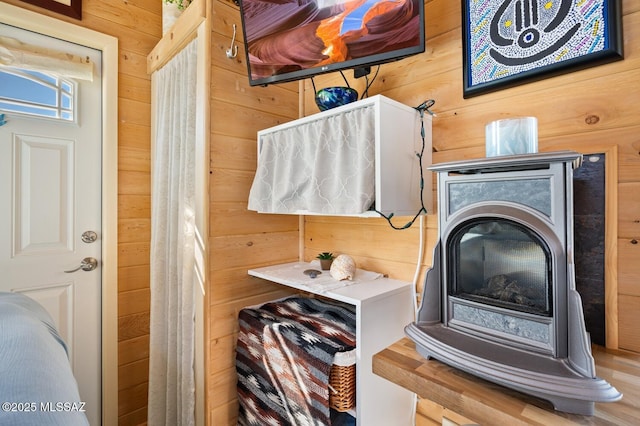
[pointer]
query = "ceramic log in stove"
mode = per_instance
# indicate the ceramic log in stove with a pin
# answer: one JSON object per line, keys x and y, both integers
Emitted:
{"x": 500, "y": 301}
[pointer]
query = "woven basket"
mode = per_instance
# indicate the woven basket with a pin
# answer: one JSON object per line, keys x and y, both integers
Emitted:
{"x": 342, "y": 387}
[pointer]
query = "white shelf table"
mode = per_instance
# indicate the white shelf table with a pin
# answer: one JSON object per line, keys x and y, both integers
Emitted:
{"x": 383, "y": 308}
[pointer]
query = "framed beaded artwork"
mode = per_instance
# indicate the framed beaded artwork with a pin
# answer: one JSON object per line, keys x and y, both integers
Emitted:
{"x": 510, "y": 42}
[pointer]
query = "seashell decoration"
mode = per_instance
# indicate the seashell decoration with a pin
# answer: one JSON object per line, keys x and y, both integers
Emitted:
{"x": 343, "y": 268}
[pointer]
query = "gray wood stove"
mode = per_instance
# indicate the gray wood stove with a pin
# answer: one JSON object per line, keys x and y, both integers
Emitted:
{"x": 500, "y": 300}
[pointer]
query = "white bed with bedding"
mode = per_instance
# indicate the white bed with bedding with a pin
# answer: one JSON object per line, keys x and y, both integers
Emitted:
{"x": 37, "y": 386}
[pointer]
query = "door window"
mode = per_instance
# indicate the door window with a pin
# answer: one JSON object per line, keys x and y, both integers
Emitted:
{"x": 38, "y": 94}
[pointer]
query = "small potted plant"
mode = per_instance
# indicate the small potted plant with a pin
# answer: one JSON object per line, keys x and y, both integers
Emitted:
{"x": 180, "y": 4}
{"x": 171, "y": 10}
{"x": 325, "y": 260}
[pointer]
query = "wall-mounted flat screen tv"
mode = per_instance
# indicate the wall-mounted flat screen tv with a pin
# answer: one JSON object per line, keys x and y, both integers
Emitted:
{"x": 289, "y": 40}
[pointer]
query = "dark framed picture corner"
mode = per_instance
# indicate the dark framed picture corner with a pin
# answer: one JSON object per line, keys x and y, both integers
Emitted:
{"x": 72, "y": 8}
{"x": 511, "y": 42}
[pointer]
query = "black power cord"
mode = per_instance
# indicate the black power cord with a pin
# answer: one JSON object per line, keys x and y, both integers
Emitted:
{"x": 421, "y": 109}
{"x": 365, "y": 93}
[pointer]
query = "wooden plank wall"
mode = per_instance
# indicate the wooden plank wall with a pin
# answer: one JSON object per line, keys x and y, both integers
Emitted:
{"x": 239, "y": 239}
{"x": 137, "y": 26}
{"x": 566, "y": 107}
{"x": 589, "y": 110}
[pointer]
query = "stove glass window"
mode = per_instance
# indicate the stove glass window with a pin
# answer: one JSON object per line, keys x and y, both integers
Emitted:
{"x": 501, "y": 263}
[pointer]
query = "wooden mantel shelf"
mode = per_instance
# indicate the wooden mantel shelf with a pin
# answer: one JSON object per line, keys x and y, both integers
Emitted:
{"x": 487, "y": 403}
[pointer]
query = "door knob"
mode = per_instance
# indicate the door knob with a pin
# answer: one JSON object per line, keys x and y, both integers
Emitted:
{"x": 87, "y": 264}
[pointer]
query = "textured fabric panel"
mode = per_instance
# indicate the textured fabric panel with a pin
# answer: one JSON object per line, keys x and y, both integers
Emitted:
{"x": 172, "y": 251}
{"x": 323, "y": 166}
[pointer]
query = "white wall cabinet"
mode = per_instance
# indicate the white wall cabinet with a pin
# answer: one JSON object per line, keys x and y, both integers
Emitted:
{"x": 303, "y": 166}
{"x": 383, "y": 309}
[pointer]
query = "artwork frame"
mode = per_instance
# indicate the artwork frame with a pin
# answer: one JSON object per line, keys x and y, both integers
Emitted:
{"x": 71, "y": 8}
{"x": 571, "y": 37}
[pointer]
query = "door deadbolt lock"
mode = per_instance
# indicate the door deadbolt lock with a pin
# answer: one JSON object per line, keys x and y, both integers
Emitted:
{"x": 89, "y": 237}
{"x": 87, "y": 264}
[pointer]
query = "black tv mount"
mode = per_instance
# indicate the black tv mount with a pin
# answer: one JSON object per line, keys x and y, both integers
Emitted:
{"x": 361, "y": 72}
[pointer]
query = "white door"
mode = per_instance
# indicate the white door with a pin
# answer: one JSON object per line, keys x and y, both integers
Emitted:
{"x": 50, "y": 193}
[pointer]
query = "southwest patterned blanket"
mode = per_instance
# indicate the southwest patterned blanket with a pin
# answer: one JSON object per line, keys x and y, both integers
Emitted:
{"x": 284, "y": 352}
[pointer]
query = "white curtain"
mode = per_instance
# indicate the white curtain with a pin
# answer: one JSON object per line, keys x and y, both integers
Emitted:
{"x": 322, "y": 166}
{"x": 172, "y": 336}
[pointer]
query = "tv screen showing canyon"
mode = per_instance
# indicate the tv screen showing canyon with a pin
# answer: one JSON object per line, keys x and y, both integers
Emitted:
{"x": 288, "y": 40}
